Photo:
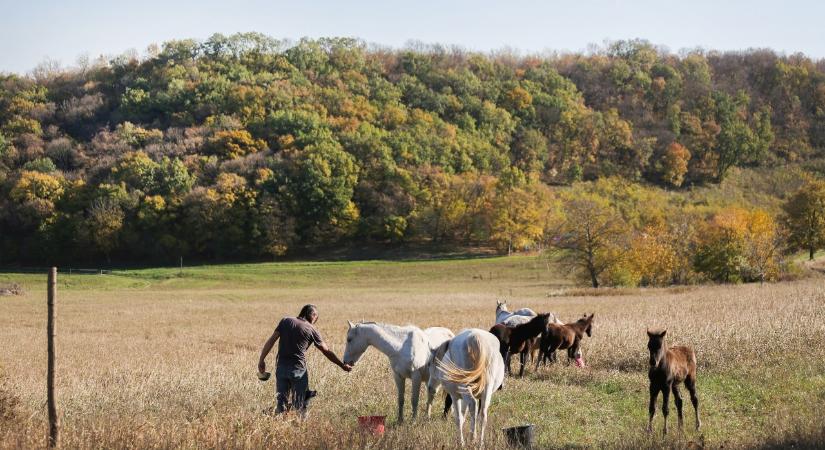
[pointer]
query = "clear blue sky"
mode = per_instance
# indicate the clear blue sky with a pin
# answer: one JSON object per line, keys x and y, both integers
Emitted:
{"x": 33, "y": 30}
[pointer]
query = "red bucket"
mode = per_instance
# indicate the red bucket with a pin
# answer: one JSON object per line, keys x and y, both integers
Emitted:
{"x": 372, "y": 424}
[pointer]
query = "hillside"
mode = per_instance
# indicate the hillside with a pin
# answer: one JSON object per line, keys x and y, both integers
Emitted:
{"x": 246, "y": 147}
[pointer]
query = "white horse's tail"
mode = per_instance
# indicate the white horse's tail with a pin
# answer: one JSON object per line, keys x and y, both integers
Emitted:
{"x": 475, "y": 377}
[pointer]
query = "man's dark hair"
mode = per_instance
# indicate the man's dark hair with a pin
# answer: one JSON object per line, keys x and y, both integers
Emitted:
{"x": 306, "y": 311}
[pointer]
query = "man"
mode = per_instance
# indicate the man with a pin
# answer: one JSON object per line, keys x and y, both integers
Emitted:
{"x": 295, "y": 334}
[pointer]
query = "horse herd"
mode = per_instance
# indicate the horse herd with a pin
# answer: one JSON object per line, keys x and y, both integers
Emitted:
{"x": 472, "y": 365}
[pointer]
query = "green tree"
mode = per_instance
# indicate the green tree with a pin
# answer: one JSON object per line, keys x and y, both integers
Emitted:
{"x": 804, "y": 217}
{"x": 737, "y": 142}
{"x": 319, "y": 182}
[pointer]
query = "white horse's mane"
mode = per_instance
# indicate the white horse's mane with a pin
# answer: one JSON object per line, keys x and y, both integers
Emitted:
{"x": 395, "y": 329}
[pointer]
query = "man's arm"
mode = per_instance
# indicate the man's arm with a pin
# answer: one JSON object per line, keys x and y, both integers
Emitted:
{"x": 331, "y": 356}
{"x": 265, "y": 351}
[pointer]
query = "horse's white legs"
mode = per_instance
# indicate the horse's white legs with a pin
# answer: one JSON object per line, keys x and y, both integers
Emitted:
{"x": 430, "y": 396}
{"x": 458, "y": 408}
{"x": 485, "y": 399}
{"x": 399, "y": 385}
{"x": 472, "y": 406}
{"x": 416, "y": 391}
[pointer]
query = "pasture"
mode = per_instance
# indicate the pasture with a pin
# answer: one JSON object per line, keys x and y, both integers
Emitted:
{"x": 162, "y": 359}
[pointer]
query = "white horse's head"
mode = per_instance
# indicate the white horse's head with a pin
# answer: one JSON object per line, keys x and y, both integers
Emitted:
{"x": 501, "y": 306}
{"x": 357, "y": 344}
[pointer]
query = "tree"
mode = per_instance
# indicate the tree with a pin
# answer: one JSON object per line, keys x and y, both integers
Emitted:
{"x": 590, "y": 237}
{"x": 231, "y": 144}
{"x": 737, "y": 143}
{"x": 104, "y": 220}
{"x": 804, "y": 217}
{"x": 517, "y": 219}
{"x": 738, "y": 245}
{"x": 762, "y": 244}
{"x": 675, "y": 164}
{"x": 319, "y": 182}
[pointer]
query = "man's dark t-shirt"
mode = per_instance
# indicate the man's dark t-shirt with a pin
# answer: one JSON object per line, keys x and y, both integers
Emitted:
{"x": 296, "y": 335}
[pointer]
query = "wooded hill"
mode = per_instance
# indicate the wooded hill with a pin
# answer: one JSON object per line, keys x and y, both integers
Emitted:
{"x": 246, "y": 146}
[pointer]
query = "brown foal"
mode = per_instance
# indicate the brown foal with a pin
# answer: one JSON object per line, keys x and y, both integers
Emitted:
{"x": 564, "y": 337}
{"x": 668, "y": 368}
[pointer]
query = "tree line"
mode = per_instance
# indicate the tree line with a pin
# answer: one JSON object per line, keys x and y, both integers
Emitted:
{"x": 244, "y": 146}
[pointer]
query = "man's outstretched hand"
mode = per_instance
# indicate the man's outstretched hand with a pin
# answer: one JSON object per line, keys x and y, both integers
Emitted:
{"x": 346, "y": 367}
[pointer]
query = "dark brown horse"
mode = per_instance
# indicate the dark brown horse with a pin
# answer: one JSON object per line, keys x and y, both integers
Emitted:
{"x": 502, "y": 333}
{"x": 519, "y": 340}
{"x": 668, "y": 368}
{"x": 564, "y": 337}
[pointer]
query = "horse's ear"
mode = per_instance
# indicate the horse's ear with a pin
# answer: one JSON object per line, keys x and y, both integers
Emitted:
{"x": 649, "y": 334}
{"x": 350, "y": 324}
{"x": 663, "y": 333}
{"x": 591, "y": 316}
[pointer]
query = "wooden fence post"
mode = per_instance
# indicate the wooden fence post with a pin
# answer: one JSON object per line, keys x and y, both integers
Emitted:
{"x": 53, "y": 420}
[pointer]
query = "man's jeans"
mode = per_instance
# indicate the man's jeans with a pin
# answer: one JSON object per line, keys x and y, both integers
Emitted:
{"x": 291, "y": 385}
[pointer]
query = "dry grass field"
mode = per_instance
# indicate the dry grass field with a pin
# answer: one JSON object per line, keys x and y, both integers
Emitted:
{"x": 158, "y": 359}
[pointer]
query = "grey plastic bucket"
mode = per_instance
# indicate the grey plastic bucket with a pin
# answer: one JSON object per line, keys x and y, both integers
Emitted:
{"x": 520, "y": 437}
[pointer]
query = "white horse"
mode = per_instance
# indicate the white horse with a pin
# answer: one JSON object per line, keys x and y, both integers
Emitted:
{"x": 471, "y": 369}
{"x": 409, "y": 349}
{"x": 519, "y": 316}
{"x": 502, "y": 314}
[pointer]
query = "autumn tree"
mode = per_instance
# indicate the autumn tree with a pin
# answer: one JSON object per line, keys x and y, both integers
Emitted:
{"x": 231, "y": 144}
{"x": 675, "y": 164}
{"x": 104, "y": 221}
{"x": 738, "y": 245}
{"x": 590, "y": 237}
{"x": 518, "y": 218}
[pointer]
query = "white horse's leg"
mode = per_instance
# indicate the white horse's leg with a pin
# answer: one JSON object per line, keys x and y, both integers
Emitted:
{"x": 416, "y": 391}
{"x": 472, "y": 406}
{"x": 399, "y": 385}
{"x": 430, "y": 397}
{"x": 485, "y": 399}
{"x": 458, "y": 408}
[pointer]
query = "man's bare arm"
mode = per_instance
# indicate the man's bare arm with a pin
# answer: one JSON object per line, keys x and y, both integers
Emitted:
{"x": 265, "y": 351}
{"x": 332, "y": 357}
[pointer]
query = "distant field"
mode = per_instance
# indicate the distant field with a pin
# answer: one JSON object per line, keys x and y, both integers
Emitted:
{"x": 167, "y": 359}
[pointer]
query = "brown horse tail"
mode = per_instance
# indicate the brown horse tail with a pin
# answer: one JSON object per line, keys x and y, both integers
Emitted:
{"x": 474, "y": 378}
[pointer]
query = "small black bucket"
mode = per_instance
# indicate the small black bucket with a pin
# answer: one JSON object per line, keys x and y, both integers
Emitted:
{"x": 520, "y": 437}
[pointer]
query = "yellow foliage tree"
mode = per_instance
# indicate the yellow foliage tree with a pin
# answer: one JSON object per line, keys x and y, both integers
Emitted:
{"x": 518, "y": 219}
{"x": 37, "y": 186}
{"x": 518, "y": 98}
{"x": 739, "y": 245}
{"x": 675, "y": 164}
{"x": 231, "y": 144}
